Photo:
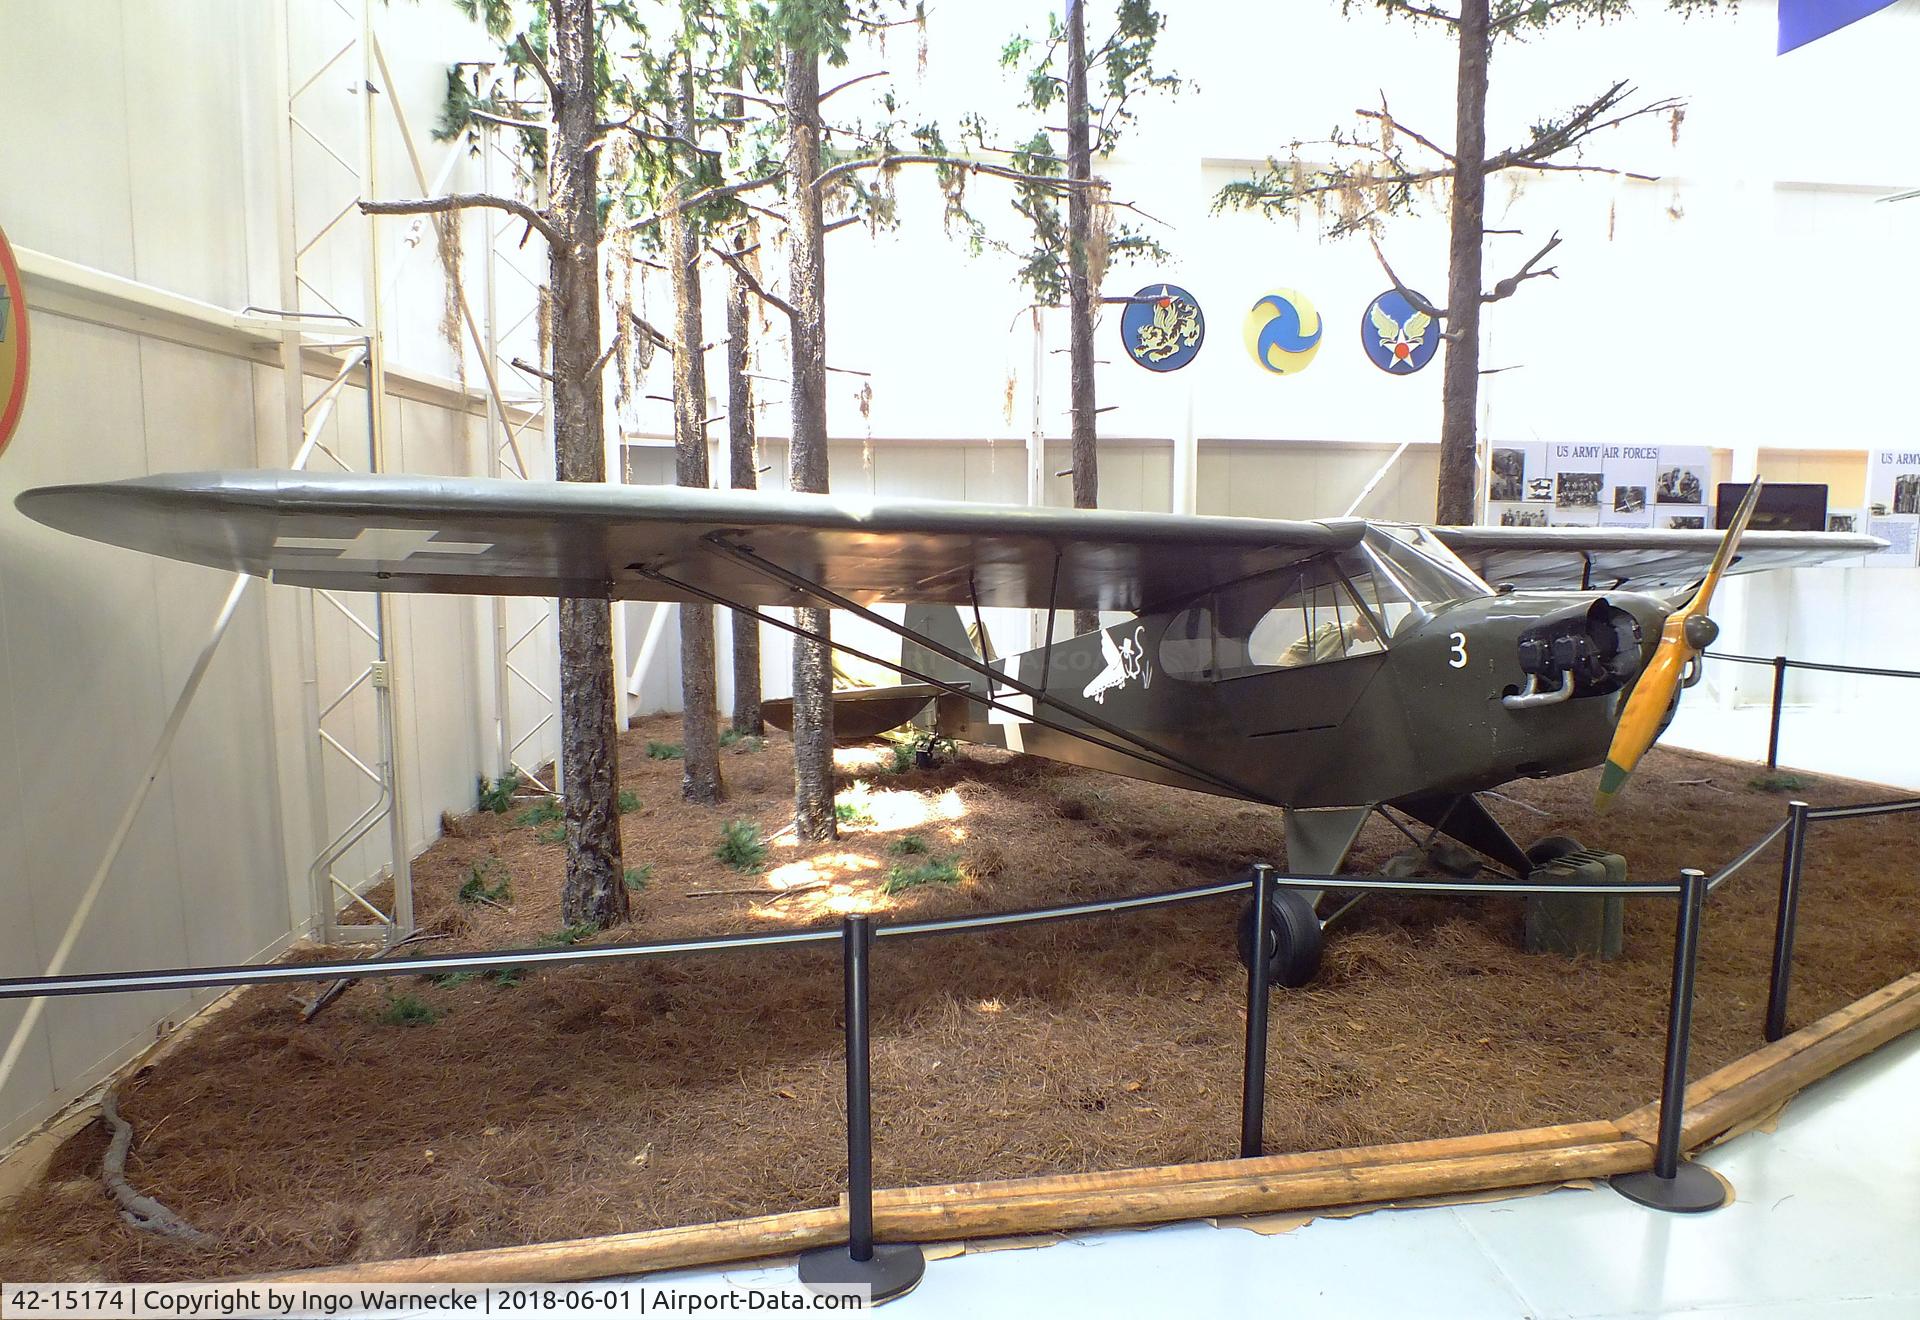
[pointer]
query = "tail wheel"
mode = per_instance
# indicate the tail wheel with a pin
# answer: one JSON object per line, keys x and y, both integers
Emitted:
{"x": 1293, "y": 938}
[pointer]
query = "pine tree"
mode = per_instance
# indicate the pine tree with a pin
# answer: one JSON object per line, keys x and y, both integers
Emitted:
{"x": 1070, "y": 259}
{"x": 563, "y": 47}
{"x": 1372, "y": 178}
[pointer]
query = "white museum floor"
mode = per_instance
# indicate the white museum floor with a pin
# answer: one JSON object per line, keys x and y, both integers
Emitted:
{"x": 1826, "y": 1223}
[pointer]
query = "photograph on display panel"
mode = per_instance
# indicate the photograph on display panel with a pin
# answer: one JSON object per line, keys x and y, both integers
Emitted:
{"x": 1681, "y": 484}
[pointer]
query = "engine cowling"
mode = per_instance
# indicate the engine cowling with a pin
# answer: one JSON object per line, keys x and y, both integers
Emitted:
{"x": 1599, "y": 644}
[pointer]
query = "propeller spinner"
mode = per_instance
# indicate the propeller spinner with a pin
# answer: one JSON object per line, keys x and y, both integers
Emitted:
{"x": 1686, "y": 633}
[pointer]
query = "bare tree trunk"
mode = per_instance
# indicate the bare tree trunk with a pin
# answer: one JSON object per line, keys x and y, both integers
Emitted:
{"x": 1080, "y": 293}
{"x": 1460, "y": 391}
{"x": 807, "y": 454}
{"x": 743, "y": 469}
{"x": 595, "y": 890}
{"x": 742, "y": 474}
{"x": 700, "y": 731}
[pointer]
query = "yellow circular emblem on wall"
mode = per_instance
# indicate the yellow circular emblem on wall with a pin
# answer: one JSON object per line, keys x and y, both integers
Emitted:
{"x": 1283, "y": 332}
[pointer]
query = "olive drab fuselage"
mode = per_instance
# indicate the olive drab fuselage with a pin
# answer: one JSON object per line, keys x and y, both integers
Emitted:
{"x": 1423, "y": 715}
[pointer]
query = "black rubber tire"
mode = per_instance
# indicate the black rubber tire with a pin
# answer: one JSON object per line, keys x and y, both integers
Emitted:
{"x": 1293, "y": 939}
{"x": 1551, "y": 848}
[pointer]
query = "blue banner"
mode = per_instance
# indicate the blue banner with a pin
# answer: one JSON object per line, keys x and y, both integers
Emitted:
{"x": 1802, "y": 21}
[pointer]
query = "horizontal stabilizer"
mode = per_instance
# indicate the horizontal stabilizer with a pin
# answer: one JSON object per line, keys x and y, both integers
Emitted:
{"x": 860, "y": 714}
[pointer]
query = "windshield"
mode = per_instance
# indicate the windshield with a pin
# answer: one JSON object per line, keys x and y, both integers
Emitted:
{"x": 1414, "y": 574}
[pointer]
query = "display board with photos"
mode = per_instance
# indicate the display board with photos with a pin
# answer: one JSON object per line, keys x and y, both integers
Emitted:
{"x": 1597, "y": 484}
{"x": 1893, "y": 506}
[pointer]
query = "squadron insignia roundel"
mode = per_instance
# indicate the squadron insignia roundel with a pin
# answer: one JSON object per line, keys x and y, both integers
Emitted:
{"x": 13, "y": 344}
{"x": 1162, "y": 327}
{"x": 1283, "y": 332}
{"x": 1399, "y": 338}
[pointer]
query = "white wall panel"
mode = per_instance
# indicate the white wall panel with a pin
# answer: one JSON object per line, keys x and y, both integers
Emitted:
{"x": 198, "y": 414}
{"x": 85, "y": 687}
{"x": 66, "y": 191}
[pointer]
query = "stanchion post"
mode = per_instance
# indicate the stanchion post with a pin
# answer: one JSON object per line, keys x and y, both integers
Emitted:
{"x": 1253, "y": 1081}
{"x": 1785, "y": 919}
{"x": 1773, "y": 728}
{"x": 1674, "y": 1183}
{"x": 892, "y": 1268}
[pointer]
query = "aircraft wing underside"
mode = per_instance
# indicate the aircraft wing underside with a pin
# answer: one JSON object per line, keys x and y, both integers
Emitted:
{"x": 483, "y": 537}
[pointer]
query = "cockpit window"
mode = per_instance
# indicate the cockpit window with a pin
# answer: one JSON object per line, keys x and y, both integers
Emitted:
{"x": 1306, "y": 614}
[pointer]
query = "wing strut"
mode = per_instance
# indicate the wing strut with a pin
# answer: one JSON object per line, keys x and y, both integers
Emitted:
{"x": 791, "y": 579}
{"x": 1156, "y": 757}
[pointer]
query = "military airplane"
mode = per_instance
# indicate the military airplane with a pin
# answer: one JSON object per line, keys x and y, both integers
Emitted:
{"x": 1333, "y": 669}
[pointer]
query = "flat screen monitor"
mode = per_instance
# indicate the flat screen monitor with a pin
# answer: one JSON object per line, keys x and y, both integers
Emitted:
{"x": 1786, "y": 506}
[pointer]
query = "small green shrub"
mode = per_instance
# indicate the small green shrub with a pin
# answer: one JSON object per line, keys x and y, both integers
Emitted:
{"x": 508, "y": 977}
{"x": 488, "y": 881}
{"x": 855, "y": 806}
{"x": 546, "y": 809}
{"x": 909, "y": 747}
{"x": 1775, "y": 781}
{"x": 569, "y": 935}
{"x": 447, "y": 979}
{"x": 663, "y": 751}
{"x": 554, "y": 833}
{"x": 911, "y": 845}
{"x": 497, "y": 797}
{"x": 933, "y": 871}
{"x": 628, "y": 801}
{"x": 728, "y": 737}
{"x": 408, "y": 1011}
{"x": 740, "y": 846}
{"x": 637, "y": 876}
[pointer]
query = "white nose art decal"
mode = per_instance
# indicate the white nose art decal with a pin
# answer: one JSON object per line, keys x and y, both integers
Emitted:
{"x": 1126, "y": 663}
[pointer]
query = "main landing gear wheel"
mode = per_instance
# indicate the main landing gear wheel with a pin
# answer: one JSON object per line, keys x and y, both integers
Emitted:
{"x": 1293, "y": 938}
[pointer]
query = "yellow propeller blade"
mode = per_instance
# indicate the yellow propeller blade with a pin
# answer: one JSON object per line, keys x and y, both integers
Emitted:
{"x": 1653, "y": 694}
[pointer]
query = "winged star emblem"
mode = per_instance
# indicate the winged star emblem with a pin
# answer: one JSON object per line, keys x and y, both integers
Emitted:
{"x": 1400, "y": 338}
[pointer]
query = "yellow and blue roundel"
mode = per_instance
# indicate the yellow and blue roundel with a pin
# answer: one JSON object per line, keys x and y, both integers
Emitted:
{"x": 1162, "y": 327}
{"x": 1283, "y": 332}
{"x": 1399, "y": 338}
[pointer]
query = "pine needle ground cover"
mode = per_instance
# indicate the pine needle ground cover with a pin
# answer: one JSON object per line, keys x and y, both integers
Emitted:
{"x": 578, "y": 1101}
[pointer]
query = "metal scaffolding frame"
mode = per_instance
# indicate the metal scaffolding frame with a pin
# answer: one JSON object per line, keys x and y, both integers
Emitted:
{"x": 362, "y": 626}
{"x": 370, "y": 756}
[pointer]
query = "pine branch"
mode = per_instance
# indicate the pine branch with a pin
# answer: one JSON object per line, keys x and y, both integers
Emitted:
{"x": 651, "y": 331}
{"x": 746, "y": 95}
{"x": 892, "y": 159}
{"x": 468, "y": 201}
{"x": 1538, "y": 13}
{"x": 1420, "y": 11}
{"x": 1276, "y": 188}
{"x": 508, "y": 120}
{"x": 842, "y": 86}
{"x": 1413, "y": 299}
{"x": 540, "y": 67}
{"x": 1386, "y": 117}
{"x": 1509, "y": 286}
{"x": 745, "y": 276}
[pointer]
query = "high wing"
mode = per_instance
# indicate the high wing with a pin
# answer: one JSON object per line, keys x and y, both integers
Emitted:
{"x": 488, "y": 537}
{"x": 349, "y": 532}
{"x": 1574, "y": 558}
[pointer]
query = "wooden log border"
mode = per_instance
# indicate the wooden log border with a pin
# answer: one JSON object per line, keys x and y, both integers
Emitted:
{"x": 1317, "y": 1180}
